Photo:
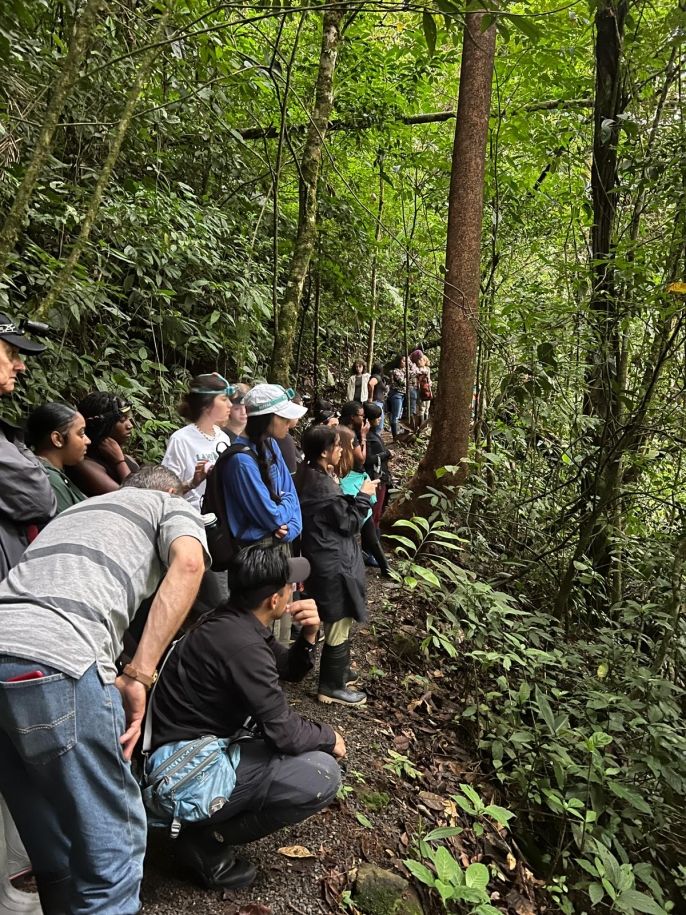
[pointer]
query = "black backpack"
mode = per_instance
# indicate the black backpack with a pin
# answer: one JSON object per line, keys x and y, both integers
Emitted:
{"x": 221, "y": 543}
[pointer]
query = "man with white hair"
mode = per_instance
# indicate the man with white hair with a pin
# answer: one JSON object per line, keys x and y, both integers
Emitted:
{"x": 68, "y": 723}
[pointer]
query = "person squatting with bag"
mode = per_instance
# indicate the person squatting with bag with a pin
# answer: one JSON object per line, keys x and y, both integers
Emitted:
{"x": 331, "y": 524}
{"x": 68, "y": 723}
{"x": 219, "y": 694}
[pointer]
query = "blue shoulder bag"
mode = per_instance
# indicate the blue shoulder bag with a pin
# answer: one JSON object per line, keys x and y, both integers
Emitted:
{"x": 190, "y": 780}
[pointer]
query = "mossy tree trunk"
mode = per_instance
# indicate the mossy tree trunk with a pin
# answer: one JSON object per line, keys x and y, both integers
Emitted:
{"x": 84, "y": 29}
{"x": 310, "y": 166}
{"x": 118, "y": 135}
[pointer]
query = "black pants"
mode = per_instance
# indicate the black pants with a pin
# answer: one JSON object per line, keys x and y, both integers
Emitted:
{"x": 372, "y": 545}
{"x": 273, "y": 791}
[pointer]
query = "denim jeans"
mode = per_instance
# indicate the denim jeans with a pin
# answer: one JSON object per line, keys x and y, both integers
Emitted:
{"x": 413, "y": 401}
{"x": 380, "y": 405}
{"x": 396, "y": 399}
{"x": 73, "y": 797}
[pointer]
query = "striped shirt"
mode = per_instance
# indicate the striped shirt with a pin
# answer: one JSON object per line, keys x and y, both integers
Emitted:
{"x": 73, "y": 594}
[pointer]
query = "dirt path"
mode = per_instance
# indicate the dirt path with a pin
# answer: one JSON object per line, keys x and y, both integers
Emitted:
{"x": 388, "y": 802}
{"x": 337, "y": 838}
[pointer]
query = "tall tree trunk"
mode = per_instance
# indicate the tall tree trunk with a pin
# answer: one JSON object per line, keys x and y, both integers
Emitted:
{"x": 371, "y": 336}
{"x": 449, "y": 442}
{"x": 80, "y": 39}
{"x": 603, "y": 396}
{"x": 116, "y": 141}
{"x": 310, "y": 166}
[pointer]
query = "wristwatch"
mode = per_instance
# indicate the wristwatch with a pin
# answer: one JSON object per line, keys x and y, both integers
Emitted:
{"x": 133, "y": 674}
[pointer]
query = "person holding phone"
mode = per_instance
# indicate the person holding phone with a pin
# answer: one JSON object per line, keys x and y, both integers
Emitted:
{"x": 331, "y": 524}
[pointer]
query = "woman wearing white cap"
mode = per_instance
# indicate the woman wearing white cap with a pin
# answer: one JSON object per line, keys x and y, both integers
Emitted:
{"x": 261, "y": 502}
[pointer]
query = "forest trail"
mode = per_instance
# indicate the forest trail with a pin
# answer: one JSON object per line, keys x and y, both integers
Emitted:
{"x": 389, "y": 801}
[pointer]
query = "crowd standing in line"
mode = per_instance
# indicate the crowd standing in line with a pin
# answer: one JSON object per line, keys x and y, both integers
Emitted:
{"x": 100, "y": 563}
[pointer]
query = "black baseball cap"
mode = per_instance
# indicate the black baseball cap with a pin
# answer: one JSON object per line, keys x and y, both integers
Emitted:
{"x": 14, "y": 335}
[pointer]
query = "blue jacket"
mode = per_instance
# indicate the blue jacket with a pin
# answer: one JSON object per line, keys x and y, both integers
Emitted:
{"x": 250, "y": 510}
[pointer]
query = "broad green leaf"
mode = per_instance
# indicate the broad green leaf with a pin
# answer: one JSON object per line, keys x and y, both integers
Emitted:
{"x": 639, "y": 902}
{"x": 499, "y": 814}
{"x": 545, "y": 710}
{"x": 596, "y": 892}
{"x": 443, "y": 832}
{"x": 477, "y": 876}
{"x": 420, "y": 871}
{"x": 447, "y": 868}
{"x": 364, "y": 820}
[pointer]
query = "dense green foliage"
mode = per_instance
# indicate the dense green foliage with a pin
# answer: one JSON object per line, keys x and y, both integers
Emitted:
{"x": 561, "y": 603}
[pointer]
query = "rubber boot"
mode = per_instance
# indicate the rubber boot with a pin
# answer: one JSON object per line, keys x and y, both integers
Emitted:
{"x": 54, "y": 892}
{"x": 213, "y": 863}
{"x": 332, "y": 673}
{"x": 351, "y": 677}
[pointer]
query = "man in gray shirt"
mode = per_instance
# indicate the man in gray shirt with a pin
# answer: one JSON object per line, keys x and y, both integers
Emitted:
{"x": 68, "y": 724}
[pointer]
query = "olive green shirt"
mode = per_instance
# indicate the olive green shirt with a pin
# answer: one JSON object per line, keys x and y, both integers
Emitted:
{"x": 66, "y": 493}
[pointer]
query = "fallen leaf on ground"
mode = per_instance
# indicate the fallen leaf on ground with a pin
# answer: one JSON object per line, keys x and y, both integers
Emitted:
{"x": 432, "y": 801}
{"x": 296, "y": 851}
{"x": 254, "y": 908}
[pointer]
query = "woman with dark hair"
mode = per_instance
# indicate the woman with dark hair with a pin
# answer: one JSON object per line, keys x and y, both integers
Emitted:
{"x": 358, "y": 383}
{"x": 378, "y": 390}
{"x": 108, "y": 426}
{"x": 331, "y": 523}
{"x": 57, "y": 434}
{"x": 324, "y": 413}
{"x": 261, "y": 501}
{"x": 351, "y": 481}
{"x": 396, "y": 393}
{"x": 352, "y": 416}
{"x": 193, "y": 450}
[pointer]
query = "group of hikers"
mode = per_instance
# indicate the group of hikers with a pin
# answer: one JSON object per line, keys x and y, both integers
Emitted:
{"x": 105, "y": 564}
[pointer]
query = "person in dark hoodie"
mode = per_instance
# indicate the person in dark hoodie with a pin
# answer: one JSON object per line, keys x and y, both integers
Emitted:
{"x": 26, "y": 497}
{"x": 331, "y": 524}
{"x": 226, "y": 672}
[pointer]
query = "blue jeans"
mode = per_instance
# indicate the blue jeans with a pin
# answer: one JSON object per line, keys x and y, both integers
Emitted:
{"x": 379, "y": 404}
{"x": 413, "y": 401}
{"x": 73, "y": 797}
{"x": 396, "y": 399}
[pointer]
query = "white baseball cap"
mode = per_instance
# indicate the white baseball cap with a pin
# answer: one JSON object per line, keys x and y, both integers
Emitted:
{"x": 272, "y": 398}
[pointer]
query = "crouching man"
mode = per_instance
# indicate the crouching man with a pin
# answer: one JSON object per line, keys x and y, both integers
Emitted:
{"x": 68, "y": 724}
{"x": 227, "y": 670}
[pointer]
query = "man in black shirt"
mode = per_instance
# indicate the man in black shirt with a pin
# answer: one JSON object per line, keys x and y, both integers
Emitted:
{"x": 227, "y": 670}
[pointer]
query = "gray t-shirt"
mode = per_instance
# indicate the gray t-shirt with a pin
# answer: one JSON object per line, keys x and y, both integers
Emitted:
{"x": 73, "y": 594}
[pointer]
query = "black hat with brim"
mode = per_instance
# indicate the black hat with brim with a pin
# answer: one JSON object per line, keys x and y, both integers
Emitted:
{"x": 12, "y": 334}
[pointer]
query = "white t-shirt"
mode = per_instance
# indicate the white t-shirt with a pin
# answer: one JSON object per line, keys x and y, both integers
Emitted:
{"x": 186, "y": 447}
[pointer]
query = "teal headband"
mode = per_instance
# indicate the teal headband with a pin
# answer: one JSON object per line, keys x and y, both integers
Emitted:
{"x": 229, "y": 390}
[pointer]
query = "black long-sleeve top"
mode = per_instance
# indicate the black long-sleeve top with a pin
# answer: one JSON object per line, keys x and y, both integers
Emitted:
{"x": 228, "y": 670}
{"x": 376, "y": 463}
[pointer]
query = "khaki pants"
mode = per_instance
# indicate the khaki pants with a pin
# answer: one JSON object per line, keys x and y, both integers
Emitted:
{"x": 339, "y": 632}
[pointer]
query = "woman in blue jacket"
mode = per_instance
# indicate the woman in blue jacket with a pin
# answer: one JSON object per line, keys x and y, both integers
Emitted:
{"x": 261, "y": 502}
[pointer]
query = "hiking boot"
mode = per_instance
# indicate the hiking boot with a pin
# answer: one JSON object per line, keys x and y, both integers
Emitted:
{"x": 213, "y": 864}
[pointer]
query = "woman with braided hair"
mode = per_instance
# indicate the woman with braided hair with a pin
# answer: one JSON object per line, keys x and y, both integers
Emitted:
{"x": 109, "y": 427}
